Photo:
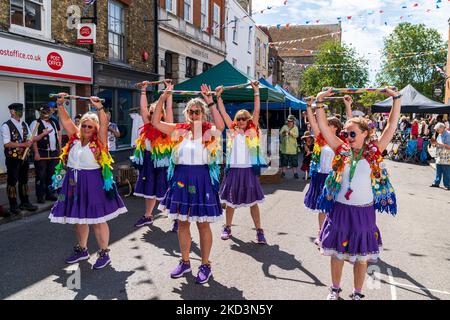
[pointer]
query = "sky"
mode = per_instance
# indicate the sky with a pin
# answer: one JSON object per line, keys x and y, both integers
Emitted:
{"x": 366, "y": 28}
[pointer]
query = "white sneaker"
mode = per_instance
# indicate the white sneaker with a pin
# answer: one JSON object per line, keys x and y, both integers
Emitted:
{"x": 334, "y": 294}
{"x": 357, "y": 296}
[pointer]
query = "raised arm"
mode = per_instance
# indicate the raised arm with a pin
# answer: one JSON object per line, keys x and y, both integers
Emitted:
{"x": 391, "y": 125}
{"x": 311, "y": 118}
{"x": 348, "y": 101}
{"x": 144, "y": 103}
{"x": 103, "y": 120}
{"x": 218, "y": 121}
{"x": 169, "y": 106}
{"x": 332, "y": 140}
{"x": 162, "y": 126}
{"x": 257, "y": 107}
{"x": 223, "y": 111}
{"x": 64, "y": 117}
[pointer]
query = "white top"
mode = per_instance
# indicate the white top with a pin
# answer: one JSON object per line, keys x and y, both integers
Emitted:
{"x": 112, "y": 137}
{"x": 137, "y": 123}
{"x": 81, "y": 158}
{"x": 240, "y": 155}
{"x": 51, "y": 136}
{"x": 148, "y": 145}
{"x": 361, "y": 185}
{"x": 6, "y": 135}
{"x": 191, "y": 152}
{"x": 326, "y": 159}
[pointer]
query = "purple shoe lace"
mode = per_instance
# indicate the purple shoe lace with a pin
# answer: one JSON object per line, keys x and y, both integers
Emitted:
{"x": 204, "y": 273}
{"x": 260, "y": 236}
{"x": 226, "y": 233}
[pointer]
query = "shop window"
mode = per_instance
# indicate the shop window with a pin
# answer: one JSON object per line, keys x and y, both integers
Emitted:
{"x": 37, "y": 95}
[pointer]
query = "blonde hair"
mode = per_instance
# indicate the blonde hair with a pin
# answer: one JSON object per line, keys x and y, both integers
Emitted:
{"x": 363, "y": 125}
{"x": 153, "y": 106}
{"x": 244, "y": 113}
{"x": 90, "y": 116}
{"x": 197, "y": 102}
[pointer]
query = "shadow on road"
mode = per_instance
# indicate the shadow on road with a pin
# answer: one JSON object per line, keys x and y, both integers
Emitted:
{"x": 168, "y": 240}
{"x": 271, "y": 255}
{"x": 213, "y": 290}
{"x": 104, "y": 284}
{"x": 397, "y": 273}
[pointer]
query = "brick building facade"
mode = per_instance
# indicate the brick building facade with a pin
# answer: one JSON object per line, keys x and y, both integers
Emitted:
{"x": 124, "y": 53}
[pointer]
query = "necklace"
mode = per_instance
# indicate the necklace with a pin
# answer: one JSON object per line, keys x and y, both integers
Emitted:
{"x": 353, "y": 163}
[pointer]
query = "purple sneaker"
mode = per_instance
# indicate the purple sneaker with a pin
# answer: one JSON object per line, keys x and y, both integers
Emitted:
{"x": 79, "y": 254}
{"x": 144, "y": 221}
{"x": 103, "y": 259}
{"x": 204, "y": 273}
{"x": 175, "y": 226}
{"x": 260, "y": 236}
{"x": 181, "y": 269}
{"x": 226, "y": 233}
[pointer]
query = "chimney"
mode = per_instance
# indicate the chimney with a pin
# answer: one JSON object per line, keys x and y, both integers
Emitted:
{"x": 246, "y": 5}
{"x": 447, "y": 84}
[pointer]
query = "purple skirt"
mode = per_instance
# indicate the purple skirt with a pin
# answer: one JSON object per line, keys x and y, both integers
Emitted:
{"x": 241, "y": 188}
{"x": 314, "y": 191}
{"x": 82, "y": 199}
{"x": 152, "y": 182}
{"x": 191, "y": 196}
{"x": 351, "y": 233}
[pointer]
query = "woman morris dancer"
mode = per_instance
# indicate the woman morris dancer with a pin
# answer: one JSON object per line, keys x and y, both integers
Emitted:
{"x": 152, "y": 154}
{"x": 88, "y": 194}
{"x": 321, "y": 160}
{"x": 241, "y": 187}
{"x": 194, "y": 173}
{"x": 357, "y": 186}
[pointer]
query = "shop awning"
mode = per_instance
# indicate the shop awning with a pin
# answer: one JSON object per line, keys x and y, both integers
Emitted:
{"x": 227, "y": 75}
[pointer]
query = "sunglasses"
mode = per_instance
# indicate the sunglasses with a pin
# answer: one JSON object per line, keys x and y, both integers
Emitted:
{"x": 196, "y": 112}
{"x": 84, "y": 126}
{"x": 241, "y": 119}
{"x": 351, "y": 134}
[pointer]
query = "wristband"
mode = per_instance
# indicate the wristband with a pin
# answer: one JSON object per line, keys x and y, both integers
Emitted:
{"x": 211, "y": 104}
{"x": 397, "y": 97}
{"x": 99, "y": 109}
{"x": 256, "y": 94}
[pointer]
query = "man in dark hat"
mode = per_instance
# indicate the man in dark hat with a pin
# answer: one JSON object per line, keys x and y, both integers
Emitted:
{"x": 46, "y": 152}
{"x": 16, "y": 139}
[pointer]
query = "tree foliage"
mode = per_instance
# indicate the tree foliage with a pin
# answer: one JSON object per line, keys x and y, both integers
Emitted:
{"x": 400, "y": 68}
{"x": 351, "y": 72}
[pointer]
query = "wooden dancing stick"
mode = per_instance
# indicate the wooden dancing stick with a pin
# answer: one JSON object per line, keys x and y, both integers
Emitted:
{"x": 25, "y": 153}
{"x": 196, "y": 93}
{"x": 313, "y": 99}
{"x": 73, "y": 97}
{"x": 357, "y": 90}
{"x": 150, "y": 83}
{"x": 50, "y": 158}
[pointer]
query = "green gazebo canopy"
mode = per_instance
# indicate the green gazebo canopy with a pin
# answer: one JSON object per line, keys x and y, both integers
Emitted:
{"x": 227, "y": 75}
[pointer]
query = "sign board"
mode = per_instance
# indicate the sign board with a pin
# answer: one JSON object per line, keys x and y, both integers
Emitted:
{"x": 23, "y": 59}
{"x": 86, "y": 33}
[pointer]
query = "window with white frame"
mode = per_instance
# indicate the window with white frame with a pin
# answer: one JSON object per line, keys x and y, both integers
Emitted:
{"x": 32, "y": 17}
{"x": 250, "y": 39}
{"x": 204, "y": 14}
{"x": 116, "y": 31}
{"x": 235, "y": 30}
{"x": 216, "y": 19}
{"x": 188, "y": 10}
{"x": 170, "y": 5}
{"x": 258, "y": 50}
